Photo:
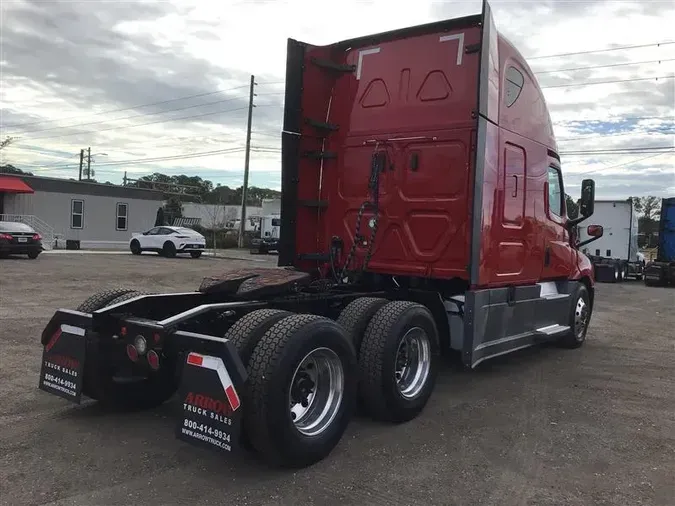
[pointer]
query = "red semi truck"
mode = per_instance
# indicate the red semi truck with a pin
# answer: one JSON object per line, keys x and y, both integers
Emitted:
{"x": 423, "y": 211}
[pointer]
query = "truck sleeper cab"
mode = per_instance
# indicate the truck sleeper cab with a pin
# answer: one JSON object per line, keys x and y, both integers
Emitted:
{"x": 422, "y": 211}
{"x": 427, "y": 156}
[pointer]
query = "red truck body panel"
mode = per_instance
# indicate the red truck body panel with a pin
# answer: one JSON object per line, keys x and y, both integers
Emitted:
{"x": 469, "y": 148}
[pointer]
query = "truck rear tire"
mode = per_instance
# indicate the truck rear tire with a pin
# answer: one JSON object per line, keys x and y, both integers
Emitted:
{"x": 579, "y": 319}
{"x": 101, "y": 299}
{"x": 617, "y": 272}
{"x": 398, "y": 361}
{"x": 99, "y": 383}
{"x": 356, "y": 316}
{"x": 249, "y": 329}
{"x": 301, "y": 390}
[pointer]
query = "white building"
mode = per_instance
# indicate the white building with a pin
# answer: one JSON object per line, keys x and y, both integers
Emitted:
{"x": 87, "y": 215}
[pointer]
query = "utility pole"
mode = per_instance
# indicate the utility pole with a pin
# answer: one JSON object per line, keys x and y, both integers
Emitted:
{"x": 244, "y": 190}
{"x": 81, "y": 162}
{"x": 88, "y": 164}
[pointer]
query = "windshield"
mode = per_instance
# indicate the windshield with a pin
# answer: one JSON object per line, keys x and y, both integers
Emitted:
{"x": 10, "y": 226}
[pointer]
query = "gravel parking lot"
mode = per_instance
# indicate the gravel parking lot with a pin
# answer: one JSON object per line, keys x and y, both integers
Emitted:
{"x": 542, "y": 427}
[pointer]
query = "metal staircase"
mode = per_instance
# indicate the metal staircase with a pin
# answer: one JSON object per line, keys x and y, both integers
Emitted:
{"x": 41, "y": 227}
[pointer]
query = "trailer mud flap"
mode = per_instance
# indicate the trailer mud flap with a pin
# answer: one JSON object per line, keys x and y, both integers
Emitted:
{"x": 62, "y": 367}
{"x": 210, "y": 411}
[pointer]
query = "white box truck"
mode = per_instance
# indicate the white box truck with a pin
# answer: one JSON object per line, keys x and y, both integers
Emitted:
{"x": 615, "y": 255}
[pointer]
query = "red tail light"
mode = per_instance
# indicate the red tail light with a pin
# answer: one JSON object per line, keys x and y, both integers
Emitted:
{"x": 7, "y": 237}
{"x": 153, "y": 360}
{"x": 132, "y": 352}
{"x": 37, "y": 237}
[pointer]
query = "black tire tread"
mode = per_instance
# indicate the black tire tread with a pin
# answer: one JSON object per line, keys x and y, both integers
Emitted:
{"x": 261, "y": 365}
{"x": 127, "y": 296}
{"x": 371, "y": 358}
{"x": 569, "y": 340}
{"x": 101, "y": 299}
{"x": 356, "y": 316}
{"x": 248, "y": 330}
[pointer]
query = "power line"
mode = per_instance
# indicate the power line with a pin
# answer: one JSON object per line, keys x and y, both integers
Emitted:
{"x": 618, "y": 134}
{"x": 128, "y": 108}
{"x": 135, "y": 116}
{"x": 601, "y": 50}
{"x": 160, "y": 158}
{"x": 616, "y": 166}
{"x": 604, "y": 66}
{"x": 618, "y": 149}
{"x": 141, "y": 124}
{"x": 608, "y": 82}
{"x": 141, "y": 105}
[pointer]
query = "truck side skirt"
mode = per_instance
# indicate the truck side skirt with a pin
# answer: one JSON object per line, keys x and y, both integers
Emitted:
{"x": 491, "y": 322}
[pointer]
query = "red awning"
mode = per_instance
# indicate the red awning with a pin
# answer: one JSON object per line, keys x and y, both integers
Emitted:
{"x": 13, "y": 184}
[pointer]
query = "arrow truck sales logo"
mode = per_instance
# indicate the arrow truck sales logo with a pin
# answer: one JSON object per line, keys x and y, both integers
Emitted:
{"x": 207, "y": 406}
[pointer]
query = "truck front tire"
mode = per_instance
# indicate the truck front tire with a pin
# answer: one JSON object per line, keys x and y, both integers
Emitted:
{"x": 398, "y": 361}
{"x": 301, "y": 390}
{"x": 579, "y": 319}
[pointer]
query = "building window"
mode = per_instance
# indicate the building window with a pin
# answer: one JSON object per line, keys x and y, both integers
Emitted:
{"x": 555, "y": 197}
{"x": 121, "y": 216}
{"x": 77, "y": 214}
{"x": 514, "y": 85}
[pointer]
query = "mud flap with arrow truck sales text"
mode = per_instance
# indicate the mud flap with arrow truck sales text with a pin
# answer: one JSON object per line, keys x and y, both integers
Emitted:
{"x": 62, "y": 367}
{"x": 210, "y": 407}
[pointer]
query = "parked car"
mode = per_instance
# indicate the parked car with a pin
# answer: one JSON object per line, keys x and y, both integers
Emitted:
{"x": 168, "y": 241}
{"x": 17, "y": 238}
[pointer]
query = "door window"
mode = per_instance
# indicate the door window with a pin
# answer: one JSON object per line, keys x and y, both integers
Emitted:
{"x": 555, "y": 192}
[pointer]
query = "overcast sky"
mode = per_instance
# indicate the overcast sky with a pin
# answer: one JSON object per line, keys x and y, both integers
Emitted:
{"x": 73, "y": 75}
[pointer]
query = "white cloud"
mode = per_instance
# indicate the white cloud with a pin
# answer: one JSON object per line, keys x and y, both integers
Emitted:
{"x": 59, "y": 68}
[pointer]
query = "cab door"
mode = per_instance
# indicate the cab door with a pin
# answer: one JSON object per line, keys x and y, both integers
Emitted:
{"x": 558, "y": 252}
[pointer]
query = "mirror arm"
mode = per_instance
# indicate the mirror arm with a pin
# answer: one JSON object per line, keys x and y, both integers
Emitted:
{"x": 575, "y": 221}
{"x": 587, "y": 241}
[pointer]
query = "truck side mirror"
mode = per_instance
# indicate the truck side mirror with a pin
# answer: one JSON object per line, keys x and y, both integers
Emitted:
{"x": 594, "y": 232}
{"x": 587, "y": 202}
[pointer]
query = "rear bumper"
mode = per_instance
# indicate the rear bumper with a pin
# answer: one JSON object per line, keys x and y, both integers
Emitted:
{"x": 210, "y": 371}
{"x": 20, "y": 249}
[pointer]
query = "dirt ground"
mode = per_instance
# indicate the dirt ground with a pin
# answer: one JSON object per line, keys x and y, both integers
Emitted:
{"x": 594, "y": 426}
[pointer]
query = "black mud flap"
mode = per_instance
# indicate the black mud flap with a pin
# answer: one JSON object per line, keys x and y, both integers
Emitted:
{"x": 62, "y": 367}
{"x": 210, "y": 411}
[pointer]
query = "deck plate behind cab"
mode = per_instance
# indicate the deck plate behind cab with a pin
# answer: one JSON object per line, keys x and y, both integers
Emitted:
{"x": 255, "y": 282}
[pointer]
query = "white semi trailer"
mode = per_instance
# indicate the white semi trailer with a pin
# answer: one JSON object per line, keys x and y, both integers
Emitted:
{"x": 615, "y": 255}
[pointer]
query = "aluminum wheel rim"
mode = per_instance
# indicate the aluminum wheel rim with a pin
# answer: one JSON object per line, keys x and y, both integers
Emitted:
{"x": 412, "y": 363}
{"x": 316, "y": 391}
{"x": 580, "y": 318}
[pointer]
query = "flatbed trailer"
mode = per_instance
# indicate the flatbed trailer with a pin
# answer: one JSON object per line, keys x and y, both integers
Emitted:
{"x": 411, "y": 225}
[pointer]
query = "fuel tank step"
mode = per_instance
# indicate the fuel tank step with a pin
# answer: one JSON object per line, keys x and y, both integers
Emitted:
{"x": 552, "y": 330}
